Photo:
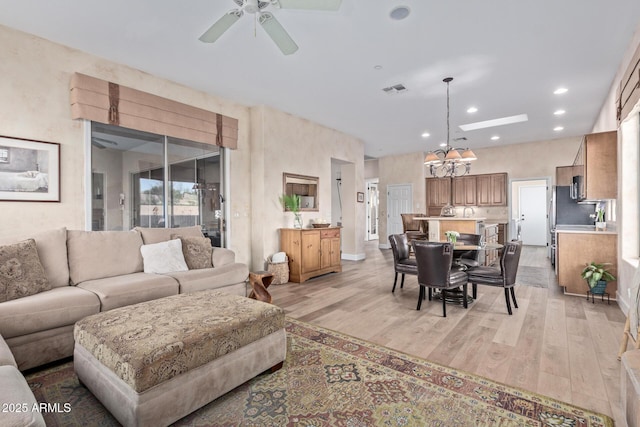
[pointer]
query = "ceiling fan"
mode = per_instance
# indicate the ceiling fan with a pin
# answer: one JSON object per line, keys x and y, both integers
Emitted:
{"x": 266, "y": 19}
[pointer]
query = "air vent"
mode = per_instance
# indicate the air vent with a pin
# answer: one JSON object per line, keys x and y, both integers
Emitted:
{"x": 399, "y": 88}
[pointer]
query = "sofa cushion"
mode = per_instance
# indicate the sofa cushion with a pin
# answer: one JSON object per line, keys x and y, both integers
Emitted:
{"x": 163, "y": 257}
{"x": 14, "y": 390}
{"x": 99, "y": 254}
{"x": 46, "y": 310}
{"x": 6, "y": 357}
{"x": 21, "y": 273}
{"x": 52, "y": 251}
{"x": 157, "y": 235}
{"x": 211, "y": 278}
{"x": 222, "y": 256}
{"x": 130, "y": 289}
{"x": 197, "y": 251}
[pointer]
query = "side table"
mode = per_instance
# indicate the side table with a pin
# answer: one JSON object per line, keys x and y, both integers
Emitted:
{"x": 260, "y": 281}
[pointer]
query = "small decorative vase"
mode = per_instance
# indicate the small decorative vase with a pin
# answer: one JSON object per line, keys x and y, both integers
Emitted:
{"x": 452, "y": 239}
{"x": 601, "y": 225}
{"x": 599, "y": 288}
{"x": 297, "y": 220}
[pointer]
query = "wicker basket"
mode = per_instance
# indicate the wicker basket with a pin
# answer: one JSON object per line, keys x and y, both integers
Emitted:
{"x": 280, "y": 271}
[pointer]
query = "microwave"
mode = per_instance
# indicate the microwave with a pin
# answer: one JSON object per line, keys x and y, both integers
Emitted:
{"x": 577, "y": 188}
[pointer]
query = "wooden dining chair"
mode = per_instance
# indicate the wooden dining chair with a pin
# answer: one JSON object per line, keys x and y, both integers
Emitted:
{"x": 402, "y": 263}
{"x": 434, "y": 271}
{"x": 504, "y": 277}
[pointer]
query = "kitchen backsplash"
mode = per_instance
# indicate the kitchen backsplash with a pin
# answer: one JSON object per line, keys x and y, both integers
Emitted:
{"x": 498, "y": 212}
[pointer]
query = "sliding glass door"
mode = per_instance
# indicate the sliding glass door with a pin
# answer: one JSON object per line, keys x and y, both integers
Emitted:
{"x": 155, "y": 181}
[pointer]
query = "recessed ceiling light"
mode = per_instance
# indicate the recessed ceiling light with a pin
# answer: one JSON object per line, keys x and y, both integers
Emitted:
{"x": 472, "y": 110}
{"x": 399, "y": 13}
{"x": 559, "y": 112}
{"x": 377, "y": 67}
{"x": 443, "y": 144}
{"x": 495, "y": 122}
{"x": 495, "y": 138}
{"x": 560, "y": 90}
{"x": 426, "y": 135}
{"x": 558, "y": 128}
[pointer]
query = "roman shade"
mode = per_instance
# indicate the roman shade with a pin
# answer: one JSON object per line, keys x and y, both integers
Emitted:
{"x": 629, "y": 89}
{"x": 106, "y": 102}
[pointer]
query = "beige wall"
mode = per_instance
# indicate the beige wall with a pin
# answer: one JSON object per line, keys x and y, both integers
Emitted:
{"x": 283, "y": 143}
{"x": 35, "y": 104}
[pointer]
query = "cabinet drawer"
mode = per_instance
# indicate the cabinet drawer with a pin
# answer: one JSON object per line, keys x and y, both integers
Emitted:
{"x": 328, "y": 234}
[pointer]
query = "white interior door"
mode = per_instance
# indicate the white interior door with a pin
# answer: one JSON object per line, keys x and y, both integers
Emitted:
{"x": 533, "y": 215}
{"x": 399, "y": 200}
{"x": 373, "y": 201}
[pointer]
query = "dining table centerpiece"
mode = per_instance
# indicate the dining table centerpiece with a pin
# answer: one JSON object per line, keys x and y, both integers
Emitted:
{"x": 452, "y": 236}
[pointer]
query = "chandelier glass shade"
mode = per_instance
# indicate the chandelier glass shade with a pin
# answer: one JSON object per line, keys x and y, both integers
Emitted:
{"x": 449, "y": 161}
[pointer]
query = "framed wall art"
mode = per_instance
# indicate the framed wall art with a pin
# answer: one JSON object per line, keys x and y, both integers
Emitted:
{"x": 29, "y": 170}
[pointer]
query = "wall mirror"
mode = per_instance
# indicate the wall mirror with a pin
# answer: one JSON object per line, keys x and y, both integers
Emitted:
{"x": 304, "y": 186}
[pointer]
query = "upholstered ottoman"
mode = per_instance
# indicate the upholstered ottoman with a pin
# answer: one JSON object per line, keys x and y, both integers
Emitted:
{"x": 152, "y": 363}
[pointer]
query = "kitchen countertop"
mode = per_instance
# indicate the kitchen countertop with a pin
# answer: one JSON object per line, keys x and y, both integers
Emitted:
{"x": 450, "y": 218}
{"x": 585, "y": 229}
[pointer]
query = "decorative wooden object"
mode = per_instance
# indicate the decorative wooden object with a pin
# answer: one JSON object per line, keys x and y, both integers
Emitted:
{"x": 260, "y": 281}
{"x": 311, "y": 251}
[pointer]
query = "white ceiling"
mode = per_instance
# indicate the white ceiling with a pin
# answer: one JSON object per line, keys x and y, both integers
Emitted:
{"x": 506, "y": 56}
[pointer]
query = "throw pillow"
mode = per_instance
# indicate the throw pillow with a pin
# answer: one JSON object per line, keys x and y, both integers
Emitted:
{"x": 21, "y": 273}
{"x": 163, "y": 257}
{"x": 197, "y": 251}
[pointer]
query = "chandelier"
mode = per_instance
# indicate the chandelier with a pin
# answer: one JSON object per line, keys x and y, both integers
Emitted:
{"x": 449, "y": 161}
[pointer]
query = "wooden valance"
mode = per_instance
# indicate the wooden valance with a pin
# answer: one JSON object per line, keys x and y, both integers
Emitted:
{"x": 629, "y": 89}
{"x": 106, "y": 102}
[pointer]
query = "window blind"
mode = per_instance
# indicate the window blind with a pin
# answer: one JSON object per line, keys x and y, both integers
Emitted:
{"x": 629, "y": 89}
{"x": 106, "y": 102}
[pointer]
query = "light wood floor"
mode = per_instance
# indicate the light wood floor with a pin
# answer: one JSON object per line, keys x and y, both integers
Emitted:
{"x": 557, "y": 345}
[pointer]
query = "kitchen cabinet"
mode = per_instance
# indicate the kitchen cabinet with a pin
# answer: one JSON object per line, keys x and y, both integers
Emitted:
{"x": 438, "y": 192}
{"x": 490, "y": 237}
{"x": 311, "y": 251}
{"x": 565, "y": 174}
{"x": 600, "y": 166}
{"x": 600, "y": 247}
{"x": 491, "y": 189}
{"x": 464, "y": 190}
{"x": 503, "y": 233}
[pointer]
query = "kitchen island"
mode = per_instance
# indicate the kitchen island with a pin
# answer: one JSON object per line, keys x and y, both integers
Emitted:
{"x": 578, "y": 245}
{"x": 439, "y": 224}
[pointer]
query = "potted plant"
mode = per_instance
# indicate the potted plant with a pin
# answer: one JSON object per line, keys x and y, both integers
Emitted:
{"x": 600, "y": 222}
{"x": 292, "y": 203}
{"x": 597, "y": 276}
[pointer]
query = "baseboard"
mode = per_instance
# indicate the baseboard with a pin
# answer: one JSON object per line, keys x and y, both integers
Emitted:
{"x": 384, "y": 246}
{"x": 353, "y": 257}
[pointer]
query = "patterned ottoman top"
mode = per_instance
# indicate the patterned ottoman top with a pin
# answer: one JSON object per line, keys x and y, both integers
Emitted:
{"x": 148, "y": 343}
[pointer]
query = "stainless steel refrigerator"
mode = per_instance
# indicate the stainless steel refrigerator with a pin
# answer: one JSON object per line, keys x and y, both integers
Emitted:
{"x": 564, "y": 210}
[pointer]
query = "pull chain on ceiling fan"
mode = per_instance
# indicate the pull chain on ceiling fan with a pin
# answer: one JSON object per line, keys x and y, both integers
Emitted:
{"x": 266, "y": 19}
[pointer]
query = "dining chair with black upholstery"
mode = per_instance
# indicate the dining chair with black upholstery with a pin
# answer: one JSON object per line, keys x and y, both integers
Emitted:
{"x": 469, "y": 258}
{"x": 402, "y": 263}
{"x": 504, "y": 277}
{"x": 434, "y": 271}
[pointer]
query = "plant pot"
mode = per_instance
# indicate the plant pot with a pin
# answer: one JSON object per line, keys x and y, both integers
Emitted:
{"x": 599, "y": 288}
{"x": 601, "y": 225}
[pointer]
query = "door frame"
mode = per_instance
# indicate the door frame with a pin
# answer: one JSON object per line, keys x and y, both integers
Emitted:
{"x": 514, "y": 207}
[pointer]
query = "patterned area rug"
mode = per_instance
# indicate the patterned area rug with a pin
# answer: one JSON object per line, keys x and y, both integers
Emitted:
{"x": 331, "y": 379}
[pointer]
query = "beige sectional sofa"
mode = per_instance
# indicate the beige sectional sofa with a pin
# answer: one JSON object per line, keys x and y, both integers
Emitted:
{"x": 93, "y": 271}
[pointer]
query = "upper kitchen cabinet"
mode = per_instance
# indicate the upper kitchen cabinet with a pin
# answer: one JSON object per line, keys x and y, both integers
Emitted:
{"x": 464, "y": 191}
{"x": 600, "y": 160}
{"x": 491, "y": 189}
{"x": 438, "y": 192}
{"x": 565, "y": 174}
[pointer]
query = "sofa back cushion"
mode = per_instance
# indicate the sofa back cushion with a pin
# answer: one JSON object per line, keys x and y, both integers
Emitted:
{"x": 98, "y": 254}
{"x": 157, "y": 235}
{"x": 52, "y": 251}
{"x": 21, "y": 272}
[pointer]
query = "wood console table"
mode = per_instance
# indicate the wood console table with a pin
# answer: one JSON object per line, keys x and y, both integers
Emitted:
{"x": 311, "y": 251}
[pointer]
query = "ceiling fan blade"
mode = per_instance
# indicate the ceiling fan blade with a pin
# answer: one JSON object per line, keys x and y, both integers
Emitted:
{"x": 310, "y": 4}
{"x": 277, "y": 33}
{"x": 221, "y": 25}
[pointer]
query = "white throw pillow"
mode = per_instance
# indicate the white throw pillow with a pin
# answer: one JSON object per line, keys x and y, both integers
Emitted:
{"x": 163, "y": 257}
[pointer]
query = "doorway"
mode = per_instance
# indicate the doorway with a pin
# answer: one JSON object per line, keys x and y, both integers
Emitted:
{"x": 530, "y": 205}
{"x": 399, "y": 200}
{"x": 373, "y": 203}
